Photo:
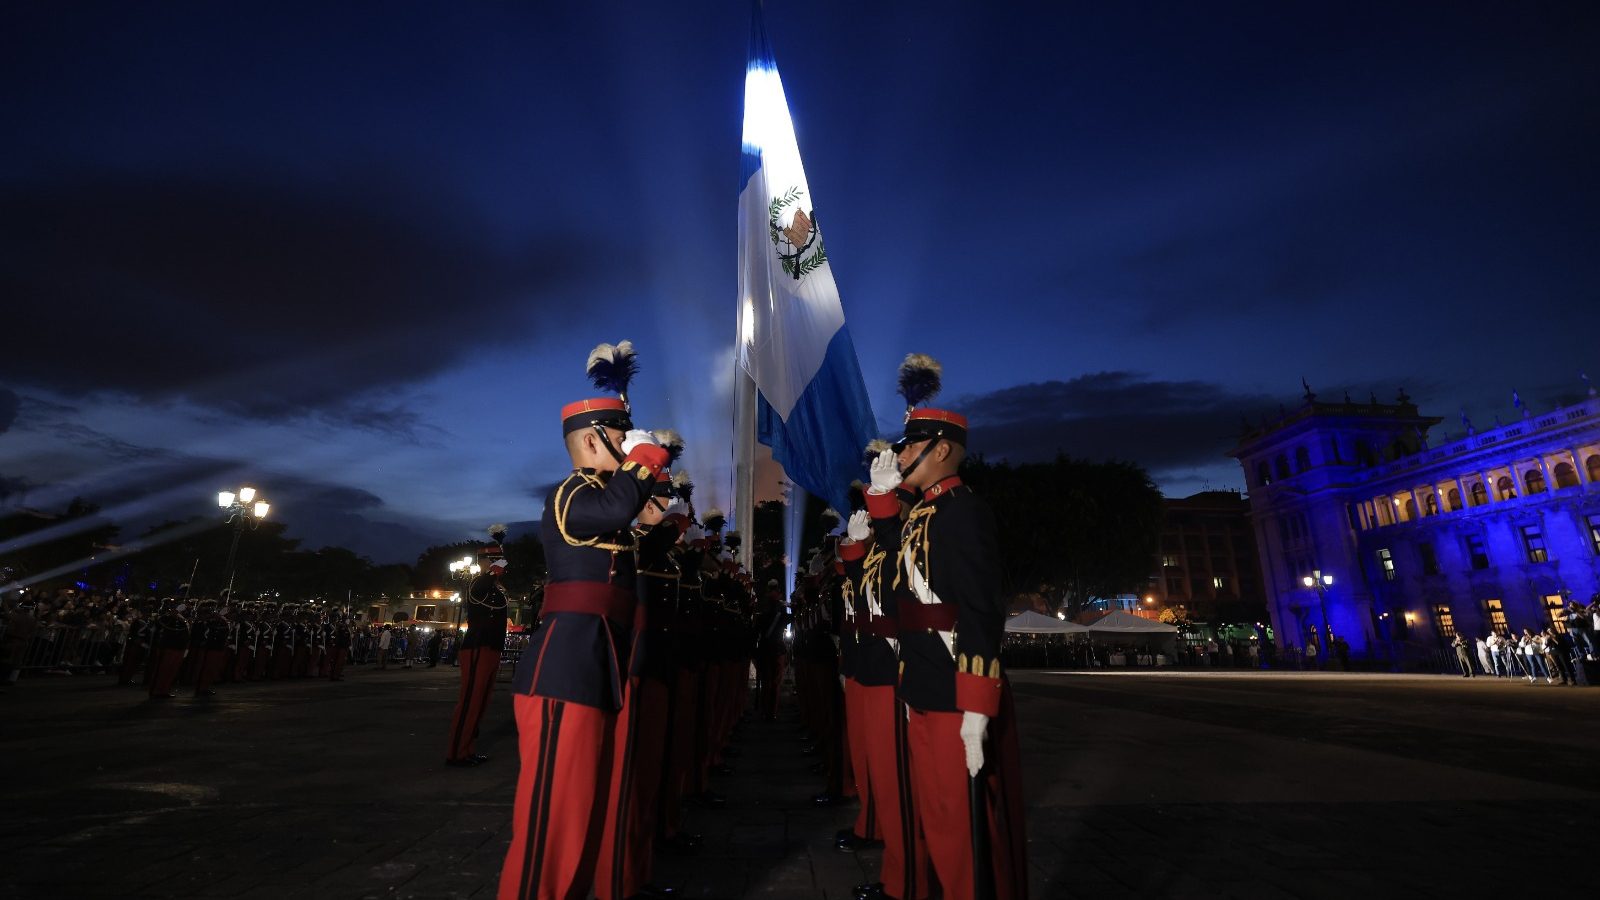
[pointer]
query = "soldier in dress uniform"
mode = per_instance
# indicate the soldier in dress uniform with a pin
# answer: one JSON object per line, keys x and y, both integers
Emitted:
{"x": 301, "y": 666}
{"x": 964, "y": 765}
{"x": 479, "y": 654}
{"x": 171, "y": 641}
{"x": 687, "y": 643}
{"x": 339, "y": 646}
{"x": 266, "y": 642}
{"x": 214, "y": 630}
{"x": 248, "y": 635}
{"x": 570, "y": 682}
{"x": 284, "y": 641}
{"x": 195, "y": 648}
{"x": 136, "y": 650}
{"x": 637, "y": 772}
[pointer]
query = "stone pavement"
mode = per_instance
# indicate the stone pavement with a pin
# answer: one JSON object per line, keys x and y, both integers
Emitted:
{"x": 1140, "y": 784}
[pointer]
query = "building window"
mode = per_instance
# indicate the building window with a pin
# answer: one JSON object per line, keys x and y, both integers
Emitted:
{"x": 1534, "y": 480}
{"x": 1280, "y": 466}
{"x": 1263, "y": 473}
{"x": 1479, "y": 495}
{"x": 1430, "y": 502}
{"x": 1554, "y": 613}
{"x": 1477, "y": 552}
{"x": 425, "y": 613}
{"x": 1386, "y": 562}
{"x": 1411, "y": 509}
{"x": 1302, "y": 459}
{"x": 1533, "y": 542}
{"x": 1496, "y": 612}
{"x": 1566, "y": 476}
{"x": 1454, "y": 499}
{"x": 1444, "y": 622}
{"x": 1430, "y": 559}
{"x": 1594, "y": 533}
{"x": 1217, "y": 582}
{"x": 1169, "y": 561}
{"x": 1506, "y": 487}
{"x": 1593, "y": 465}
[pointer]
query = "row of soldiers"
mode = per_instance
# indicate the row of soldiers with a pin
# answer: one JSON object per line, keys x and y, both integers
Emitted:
{"x": 205, "y": 643}
{"x": 631, "y": 684}
{"x": 898, "y": 628}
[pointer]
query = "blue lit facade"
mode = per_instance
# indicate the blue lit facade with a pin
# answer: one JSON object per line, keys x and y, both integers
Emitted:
{"x": 1487, "y": 531}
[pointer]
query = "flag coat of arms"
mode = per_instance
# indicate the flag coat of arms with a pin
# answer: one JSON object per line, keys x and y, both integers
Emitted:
{"x": 812, "y": 405}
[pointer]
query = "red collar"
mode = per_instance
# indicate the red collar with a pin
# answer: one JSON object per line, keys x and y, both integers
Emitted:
{"x": 941, "y": 487}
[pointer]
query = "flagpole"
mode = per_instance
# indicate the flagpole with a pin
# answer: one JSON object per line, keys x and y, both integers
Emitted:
{"x": 744, "y": 462}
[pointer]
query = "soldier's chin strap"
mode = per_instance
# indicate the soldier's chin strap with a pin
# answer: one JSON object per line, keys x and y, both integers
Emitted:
{"x": 605, "y": 439}
{"x": 932, "y": 443}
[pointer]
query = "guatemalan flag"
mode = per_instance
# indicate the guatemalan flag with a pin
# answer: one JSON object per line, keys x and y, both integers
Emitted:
{"x": 812, "y": 406}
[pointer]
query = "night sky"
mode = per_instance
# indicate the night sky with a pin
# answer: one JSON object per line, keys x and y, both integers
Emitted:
{"x": 356, "y": 255}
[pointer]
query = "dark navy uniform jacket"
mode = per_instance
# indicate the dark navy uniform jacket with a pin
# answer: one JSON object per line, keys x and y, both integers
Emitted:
{"x": 875, "y": 663}
{"x": 950, "y": 539}
{"x": 658, "y": 600}
{"x": 486, "y": 614}
{"x": 580, "y": 651}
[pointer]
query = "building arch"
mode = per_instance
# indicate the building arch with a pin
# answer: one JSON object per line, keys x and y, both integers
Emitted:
{"x": 1430, "y": 503}
{"x": 1280, "y": 466}
{"x": 1565, "y": 475}
{"x": 1453, "y": 499}
{"x": 1593, "y": 465}
{"x": 1480, "y": 494}
{"x": 1302, "y": 459}
{"x": 1533, "y": 480}
{"x": 1411, "y": 509}
{"x": 1506, "y": 487}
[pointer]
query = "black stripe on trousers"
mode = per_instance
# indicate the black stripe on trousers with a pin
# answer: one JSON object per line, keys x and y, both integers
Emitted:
{"x": 908, "y": 818}
{"x": 466, "y": 701}
{"x": 619, "y": 838}
{"x": 539, "y": 807}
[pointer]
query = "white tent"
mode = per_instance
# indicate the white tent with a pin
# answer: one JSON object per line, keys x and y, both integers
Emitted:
{"x": 1124, "y": 623}
{"x": 1031, "y": 622}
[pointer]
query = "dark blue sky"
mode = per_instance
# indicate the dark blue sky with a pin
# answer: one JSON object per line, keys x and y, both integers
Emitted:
{"x": 357, "y": 254}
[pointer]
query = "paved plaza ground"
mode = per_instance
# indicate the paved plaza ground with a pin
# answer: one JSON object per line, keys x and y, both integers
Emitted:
{"x": 1140, "y": 784}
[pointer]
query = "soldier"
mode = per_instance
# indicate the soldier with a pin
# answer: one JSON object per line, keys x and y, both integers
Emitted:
{"x": 214, "y": 629}
{"x": 141, "y": 628}
{"x": 479, "y": 656}
{"x": 266, "y": 642}
{"x": 171, "y": 640}
{"x": 244, "y": 657}
{"x": 962, "y": 727}
{"x": 301, "y": 666}
{"x": 637, "y": 771}
{"x": 339, "y": 647}
{"x": 195, "y": 647}
{"x": 283, "y": 644}
{"x": 570, "y": 681}
{"x": 687, "y": 660}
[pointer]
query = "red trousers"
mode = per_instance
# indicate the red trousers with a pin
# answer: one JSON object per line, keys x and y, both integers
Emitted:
{"x": 132, "y": 658}
{"x": 627, "y": 849}
{"x": 478, "y": 667}
{"x": 167, "y": 663}
{"x": 559, "y": 811}
{"x": 336, "y": 659}
{"x": 261, "y": 665}
{"x": 209, "y": 669}
{"x": 678, "y": 782}
{"x": 857, "y": 777}
{"x": 887, "y": 791}
{"x": 944, "y": 821}
{"x": 244, "y": 664}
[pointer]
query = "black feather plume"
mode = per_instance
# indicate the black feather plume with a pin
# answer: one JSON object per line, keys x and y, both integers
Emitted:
{"x": 920, "y": 378}
{"x": 612, "y": 368}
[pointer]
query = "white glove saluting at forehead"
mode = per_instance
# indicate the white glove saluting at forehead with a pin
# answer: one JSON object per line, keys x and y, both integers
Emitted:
{"x": 638, "y": 438}
{"x": 885, "y": 473}
{"x": 859, "y": 526}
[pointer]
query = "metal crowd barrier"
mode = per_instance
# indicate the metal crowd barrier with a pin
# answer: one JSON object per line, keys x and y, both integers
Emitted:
{"x": 63, "y": 648}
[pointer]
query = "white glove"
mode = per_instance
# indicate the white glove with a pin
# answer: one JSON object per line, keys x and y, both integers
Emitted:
{"x": 885, "y": 473}
{"x": 858, "y": 527}
{"x": 636, "y": 438}
{"x": 974, "y": 731}
{"x": 676, "y": 508}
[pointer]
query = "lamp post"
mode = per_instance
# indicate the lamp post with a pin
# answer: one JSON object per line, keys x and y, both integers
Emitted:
{"x": 242, "y": 507}
{"x": 462, "y": 570}
{"x": 1321, "y": 582}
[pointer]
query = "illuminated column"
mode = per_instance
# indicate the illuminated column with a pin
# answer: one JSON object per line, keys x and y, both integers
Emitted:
{"x": 1577, "y": 466}
{"x": 1461, "y": 491}
{"x": 1544, "y": 470}
{"x": 1438, "y": 499}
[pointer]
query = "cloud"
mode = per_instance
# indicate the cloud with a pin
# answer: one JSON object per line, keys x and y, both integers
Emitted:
{"x": 9, "y": 403}
{"x": 1163, "y": 425}
{"x": 267, "y": 300}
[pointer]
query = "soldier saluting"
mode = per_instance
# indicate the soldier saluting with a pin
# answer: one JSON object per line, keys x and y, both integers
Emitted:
{"x": 570, "y": 680}
{"x": 961, "y": 728}
{"x": 479, "y": 656}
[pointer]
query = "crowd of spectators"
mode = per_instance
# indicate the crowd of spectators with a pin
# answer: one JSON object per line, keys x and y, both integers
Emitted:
{"x": 1552, "y": 655}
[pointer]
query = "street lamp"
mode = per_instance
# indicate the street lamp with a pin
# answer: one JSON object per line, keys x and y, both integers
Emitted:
{"x": 1320, "y": 582}
{"x": 242, "y": 507}
{"x": 462, "y": 570}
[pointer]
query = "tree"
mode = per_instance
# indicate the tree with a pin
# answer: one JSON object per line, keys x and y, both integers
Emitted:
{"x": 1070, "y": 529}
